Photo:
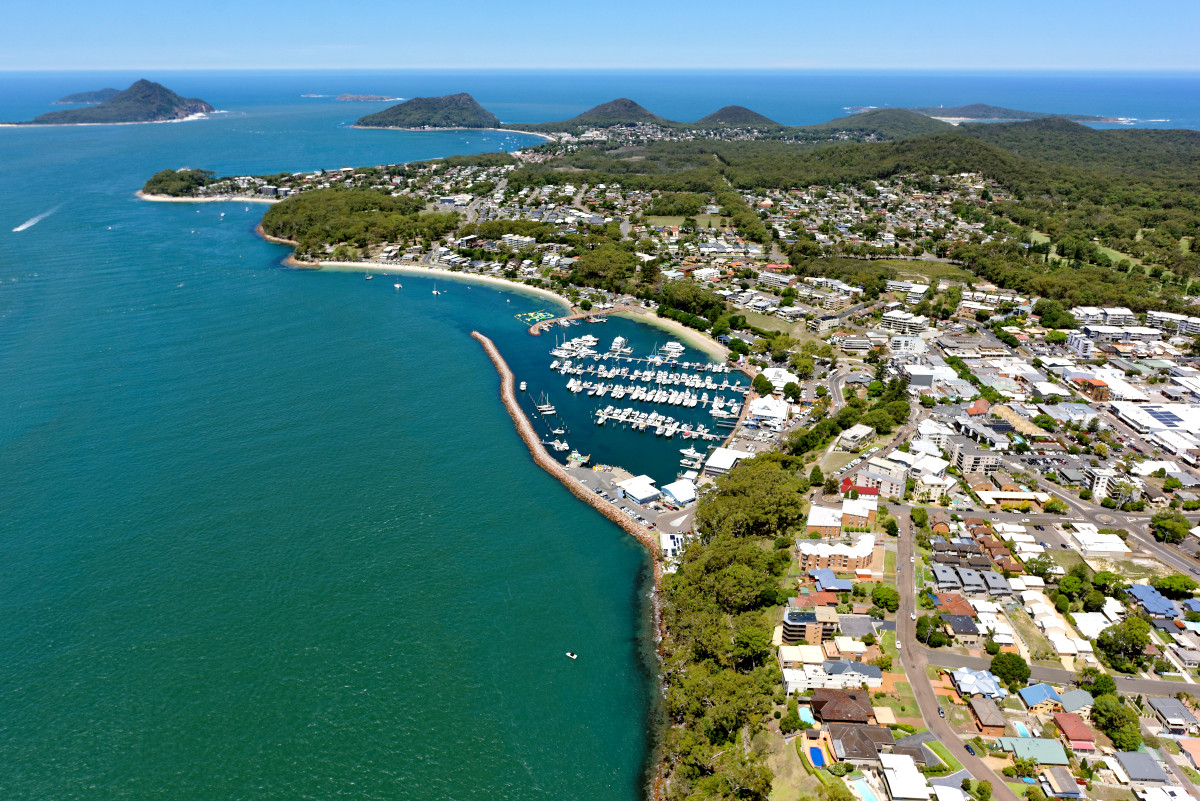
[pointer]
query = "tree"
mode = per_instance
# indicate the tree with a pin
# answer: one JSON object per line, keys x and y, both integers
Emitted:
{"x": 983, "y": 790}
{"x": 1124, "y": 645}
{"x": 816, "y": 477}
{"x": 1056, "y": 337}
{"x": 1170, "y": 527}
{"x": 762, "y": 385}
{"x": 886, "y": 597}
{"x": 830, "y": 486}
{"x": 802, "y": 365}
{"x": 1011, "y": 669}
{"x": 992, "y": 647}
{"x": 879, "y": 420}
{"x": 1055, "y": 506}
{"x": 1176, "y": 587}
{"x": 1117, "y": 721}
{"x": 1093, "y": 601}
{"x": 1045, "y": 422}
{"x": 791, "y": 391}
{"x": 758, "y": 497}
{"x": 920, "y": 517}
{"x": 1040, "y": 566}
{"x": 931, "y": 631}
{"x": 1053, "y": 315}
{"x": 822, "y": 391}
{"x": 1095, "y": 682}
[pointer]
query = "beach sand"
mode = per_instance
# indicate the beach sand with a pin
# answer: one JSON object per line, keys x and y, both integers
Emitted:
{"x": 694, "y": 338}
{"x": 227, "y": 199}
{"x": 377, "y": 268}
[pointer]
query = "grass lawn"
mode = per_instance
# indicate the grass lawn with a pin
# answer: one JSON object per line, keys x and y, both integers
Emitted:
{"x": 1191, "y": 773}
{"x": 889, "y": 561}
{"x": 1014, "y": 703}
{"x": 959, "y": 717}
{"x": 836, "y": 461}
{"x": 1035, "y": 641}
{"x": 888, "y": 644}
{"x": 933, "y": 672}
{"x": 792, "y": 780}
{"x": 1018, "y": 788}
{"x": 1066, "y": 559}
{"x": 933, "y": 270}
{"x": 1038, "y": 238}
{"x": 944, "y": 754}
{"x": 1102, "y": 792}
{"x": 903, "y": 702}
{"x": 702, "y": 220}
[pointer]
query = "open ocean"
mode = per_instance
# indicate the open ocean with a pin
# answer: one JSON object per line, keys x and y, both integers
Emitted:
{"x": 270, "y": 534}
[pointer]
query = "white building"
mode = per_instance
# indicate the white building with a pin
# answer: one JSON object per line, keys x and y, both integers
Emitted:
{"x": 902, "y": 779}
{"x": 1079, "y": 344}
{"x": 903, "y": 322}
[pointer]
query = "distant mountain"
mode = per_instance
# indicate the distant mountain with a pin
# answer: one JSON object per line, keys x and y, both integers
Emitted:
{"x": 86, "y": 98}
{"x": 451, "y": 111}
{"x": 621, "y": 111}
{"x": 144, "y": 101}
{"x": 982, "y": 111}
{"x": 736, "y": 116}
{"x": 885, "y": 123}
{"x": 366, "y": 98}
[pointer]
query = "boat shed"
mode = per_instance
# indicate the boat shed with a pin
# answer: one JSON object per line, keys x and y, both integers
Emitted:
{"x": 680, "y": 493}
{"x": 639, "y": 489}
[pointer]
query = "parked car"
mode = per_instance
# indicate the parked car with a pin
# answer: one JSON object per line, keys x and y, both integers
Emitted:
{"x": 941, "y": 712}
{"x": 970, "y": 750}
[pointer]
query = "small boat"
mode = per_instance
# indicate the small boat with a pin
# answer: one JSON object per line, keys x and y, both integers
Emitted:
{"x": 398, "y": 286}
{"x": 522, "y": 387}
{"x": 572, "y": 655}
{"x": 368, "y": 277}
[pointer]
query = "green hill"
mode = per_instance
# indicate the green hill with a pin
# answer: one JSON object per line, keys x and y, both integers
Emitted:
{"x": 452, "y": 111}
{"x": 144, "y": 101}
{"x": 621, "y": 111}
{"x": 736, "y": 117}
{"x": 86, "y": 98}
{"x": 1054, "y": 140}
{"x": 885, "y": 123}
{"x": 982, "y": 111}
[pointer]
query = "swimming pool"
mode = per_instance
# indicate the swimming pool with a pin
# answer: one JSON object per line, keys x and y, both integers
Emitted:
{"x": 1020, "y": 727}
{"x": 863, "y": 789}
{"x": 817, "y": 755}
{"x": 806, "y": 715}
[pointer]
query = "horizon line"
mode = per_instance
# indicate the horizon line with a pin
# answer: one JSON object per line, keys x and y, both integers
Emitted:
{"x": 574, "y": 69}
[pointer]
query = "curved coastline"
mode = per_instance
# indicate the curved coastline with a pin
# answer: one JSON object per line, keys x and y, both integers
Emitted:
{"x": 141, "y": 195}
{"x": 435, "y": 130}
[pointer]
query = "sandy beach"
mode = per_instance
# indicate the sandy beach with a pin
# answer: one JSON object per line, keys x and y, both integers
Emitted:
{"x": 377, "y": 268}
{"x": 189, "y": 118}
{"x": 226, "y": 199}
{"x": 694, "y": 338}
{"x": 465, "y": 130}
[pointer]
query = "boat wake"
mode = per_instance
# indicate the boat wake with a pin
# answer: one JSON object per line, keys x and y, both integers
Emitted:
{"x": 35, "y": 220}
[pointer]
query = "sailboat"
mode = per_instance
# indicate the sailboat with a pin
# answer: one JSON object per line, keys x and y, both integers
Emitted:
{"x": 397, "y": 285}
{"x": 435, "y": 289}
{"x": 369, "y": 277}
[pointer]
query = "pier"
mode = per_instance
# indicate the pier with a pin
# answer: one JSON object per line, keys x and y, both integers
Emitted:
{"x": 537, "y": 328}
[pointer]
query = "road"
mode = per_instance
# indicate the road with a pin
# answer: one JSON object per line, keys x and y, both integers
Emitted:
{"x": 950, "y": 659}
{"x": 915, "y": 658}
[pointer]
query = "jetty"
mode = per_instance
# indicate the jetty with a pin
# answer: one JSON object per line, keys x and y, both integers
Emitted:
{"x": 542, "y": 325}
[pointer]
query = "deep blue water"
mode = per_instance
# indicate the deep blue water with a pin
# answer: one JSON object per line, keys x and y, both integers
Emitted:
{"x": 268, "y": 533}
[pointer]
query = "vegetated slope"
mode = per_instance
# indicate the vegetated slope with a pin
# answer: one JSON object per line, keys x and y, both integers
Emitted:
{"x": 621, "y": 111}
{"x": 736, "y": 116}
{"x": 886, "y": 123}
{"x": 451, "y": 111}
{"x": 982, "y": 111}
{"x": 1164, "y": 153}
{"x": 86, "y": 98}
{"x": 144, "y": 101}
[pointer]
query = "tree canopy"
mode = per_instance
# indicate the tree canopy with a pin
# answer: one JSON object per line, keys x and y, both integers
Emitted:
{"x": 758, "y": 497}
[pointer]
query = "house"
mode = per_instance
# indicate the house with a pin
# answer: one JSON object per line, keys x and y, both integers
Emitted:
{"x": 1139, "y": 770}
{"x": 1041, "y": 699}
{"x": 842, "y": 706}
{"x": 1057, "y": 782}
{"x": 902, "y": 779}
{"x": 1077, "y": 701}
{"x": 1150, "y": 599}
{"x": 859, "y": 744}
{"x": 1191, "y": 747}
{"x": 965, "y": 630}
{"x": 1080, "y": 739}
{"x": 856, "y": 436}
{"x": 1176, "y": 719}
{"x": 860, "y": 512}
{"x": 945, "y": 577}
{"x": 972, "y": 583}
{"x": 1044, "y": 751}
{"x": 988, "y": 716}
{"x": 826, "y": 581}
{"x": 970, "y": 683}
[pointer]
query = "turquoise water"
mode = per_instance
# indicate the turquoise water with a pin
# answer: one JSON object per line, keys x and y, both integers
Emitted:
{"x": 269, "y": 533}
{"x": 1020, "y": 727}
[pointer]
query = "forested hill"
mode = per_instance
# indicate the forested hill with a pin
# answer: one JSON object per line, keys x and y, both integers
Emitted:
{"x": 982, "y": 111}
{"x": 86, "y": 98}
{"x": 885, "y": 123}
{"x": 1140, "y": 151}
{"x": 144, "y": 101}
{"x": 737, "y": 116}
{"x": 451, "y": 111}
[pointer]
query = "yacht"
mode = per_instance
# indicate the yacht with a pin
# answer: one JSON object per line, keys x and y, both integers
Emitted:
{"x": 522, "y": 386}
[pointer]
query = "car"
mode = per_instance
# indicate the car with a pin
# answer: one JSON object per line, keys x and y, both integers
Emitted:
{"x": 970, "y": 750}
{"x": 912, "y": 615}
{"x": 1024, "y": 519}
{"x": 1196, "y": 571}
{"x": 899, "y": 646}
{"x": 912, "y": 559}
{"x": 941, "y": 712}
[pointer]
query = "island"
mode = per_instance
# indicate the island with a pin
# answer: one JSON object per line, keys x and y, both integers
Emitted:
{"x": 451, "y": 111}
{"x": 86, "y": 98}
{"x": 366, "y": 98}
{"x": 144, "y": 101}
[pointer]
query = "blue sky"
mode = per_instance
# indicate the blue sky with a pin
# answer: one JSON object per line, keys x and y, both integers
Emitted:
{"x": 1102, "y": 35}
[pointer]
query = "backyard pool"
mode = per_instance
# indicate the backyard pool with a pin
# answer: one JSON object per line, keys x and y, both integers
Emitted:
{"x": 1020, "y": 727}
{"x": 817, "y": 755}
{"x": 806, "y": 715}
{"x": 863, "y": 789}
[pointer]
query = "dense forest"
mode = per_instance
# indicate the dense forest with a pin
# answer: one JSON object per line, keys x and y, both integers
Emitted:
{"x": 451, "y": 111}
{"x": 321, "y": 219}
